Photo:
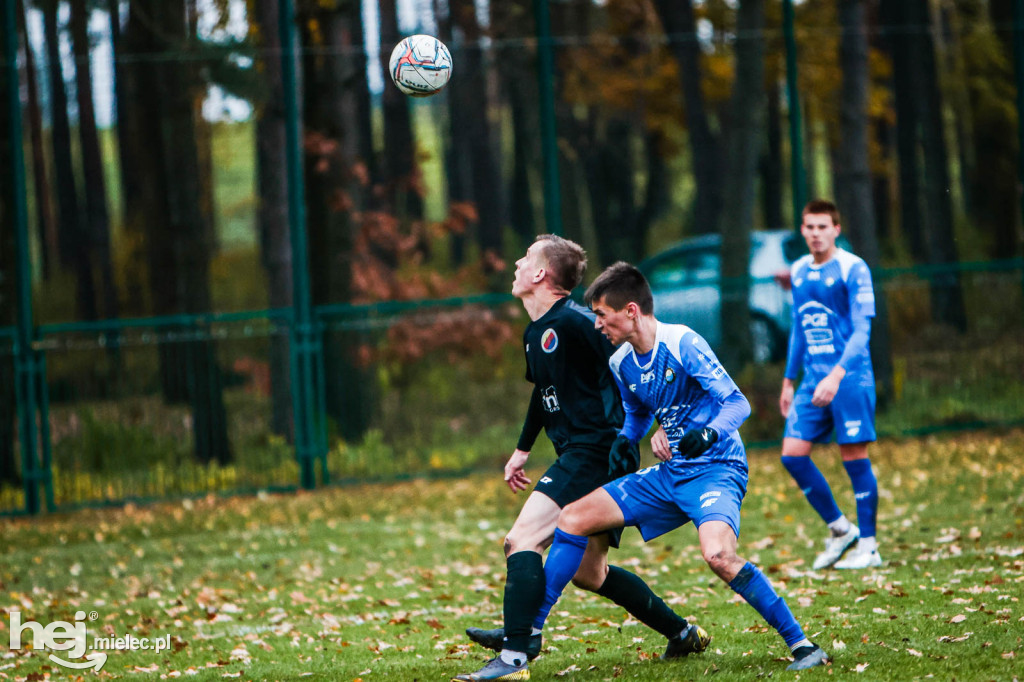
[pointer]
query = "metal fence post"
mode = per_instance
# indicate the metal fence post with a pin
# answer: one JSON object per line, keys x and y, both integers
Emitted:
{"x": 798, "y": 178}
{"x": 25, "y": 366}
{"x": 305, "y": 341}
{"x": 1018, "y": 71}
{"x": 548, "y": 131}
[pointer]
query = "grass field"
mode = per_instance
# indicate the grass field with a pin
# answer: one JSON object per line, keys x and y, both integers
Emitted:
{"x": 379, "y": 582}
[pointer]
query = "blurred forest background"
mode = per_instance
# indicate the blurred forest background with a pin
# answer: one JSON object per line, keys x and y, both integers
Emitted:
{"x": 154, "y": 139}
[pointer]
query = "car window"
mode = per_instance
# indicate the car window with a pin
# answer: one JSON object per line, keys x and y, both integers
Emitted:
{"x": 704, "y": 266}
{"x": 667, "y": 274}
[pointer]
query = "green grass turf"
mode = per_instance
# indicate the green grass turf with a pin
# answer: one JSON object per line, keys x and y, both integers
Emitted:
{"x": 378, "y": 582}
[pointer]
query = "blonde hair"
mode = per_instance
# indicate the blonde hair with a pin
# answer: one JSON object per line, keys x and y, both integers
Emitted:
{"x": 567, "y": 261}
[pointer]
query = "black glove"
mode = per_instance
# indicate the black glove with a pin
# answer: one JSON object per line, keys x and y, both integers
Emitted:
{"x": 623, "y": 458}
{"x": 696, "y": 442}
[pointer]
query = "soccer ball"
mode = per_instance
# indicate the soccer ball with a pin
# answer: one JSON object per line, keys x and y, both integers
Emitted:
{"x": 420, "y": 65}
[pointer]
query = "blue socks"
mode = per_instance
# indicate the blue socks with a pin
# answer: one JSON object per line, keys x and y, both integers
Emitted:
{"x": 751, "y": 584}
{"x": 815, "y": 487}
{"x": 564, "y": 560}
{"x": 865, "y": 490}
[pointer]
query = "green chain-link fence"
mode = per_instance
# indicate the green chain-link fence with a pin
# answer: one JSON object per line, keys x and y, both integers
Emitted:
{"x": 420, "y": 388}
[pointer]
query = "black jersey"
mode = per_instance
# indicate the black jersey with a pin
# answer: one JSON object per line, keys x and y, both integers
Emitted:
{"x": 574, "y": 397}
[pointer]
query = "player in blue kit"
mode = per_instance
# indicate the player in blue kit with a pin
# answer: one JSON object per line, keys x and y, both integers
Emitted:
{"x": 833, "y": 303}
{"x": 669, "y": 373}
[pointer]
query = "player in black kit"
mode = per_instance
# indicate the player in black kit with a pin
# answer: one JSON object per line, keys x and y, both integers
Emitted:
{"x": 577, "y": 403}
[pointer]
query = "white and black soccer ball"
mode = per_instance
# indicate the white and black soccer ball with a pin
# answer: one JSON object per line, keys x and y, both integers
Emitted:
{"x": 420, "y": 65}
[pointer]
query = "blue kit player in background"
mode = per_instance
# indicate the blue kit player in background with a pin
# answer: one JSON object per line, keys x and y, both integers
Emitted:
{"x": 576, "y": 402}
{"x": 833, "y": 303}
{"x": 669, "y": 373}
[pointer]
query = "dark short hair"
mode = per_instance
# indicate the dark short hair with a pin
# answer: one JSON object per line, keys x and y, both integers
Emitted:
{"x": 619, "y": 284}
{"x": 822, "y": 206}
{"x": 567, "y": 261}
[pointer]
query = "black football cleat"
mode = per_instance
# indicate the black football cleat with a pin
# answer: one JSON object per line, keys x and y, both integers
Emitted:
{"x": 497, "y": 670}
{"x": 808, "y": 657}
{"x": 495, "y": 640}
{"x": 693, "y": 640}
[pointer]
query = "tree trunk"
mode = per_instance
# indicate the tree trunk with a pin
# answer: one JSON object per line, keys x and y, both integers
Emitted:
{"x": 330, "y": 126}
{"x": 74, "y": 237}
{"x": 272, "y": 209}
{"x": 612, "y": 191}
{"x": 854, "y": 181}
{"x": 657, "y": 193}
{"x": 131, "y": 146}
{"x": 97, "y": 217}
{"x": 400, "y": 172}
{"x": 456, "y": 151}
{"x": 177, "y": 235}
{"x": 904, "y": 46}
{"x": 511, "y": 22}
{"x": 990, "y": 92}
{"x": 576, "y": 221}
{"x": 771, "y": 164}
{"x": 946, "y": 295}
{"x": 706, "y": 153}
{"x": 46, "y": 223}
{"x": 525, "y": 157}
{"x": 480, "y": 133}
{"x": 744, "y": 150}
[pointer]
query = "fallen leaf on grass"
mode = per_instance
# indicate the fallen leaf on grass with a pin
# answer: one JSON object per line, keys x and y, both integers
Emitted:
{"x": 914, "y": 652}
{"x": 861, "y": 667}
{"x": 961, "y": 638}
{"x": 571, "y": 669}
{"x": 959, "y": 618}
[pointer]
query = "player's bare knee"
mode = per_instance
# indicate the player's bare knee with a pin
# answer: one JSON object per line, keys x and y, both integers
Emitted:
{"x": 571, "y": 519}
{"x": 517, "y": 542}
{"x": 719, "y": 559}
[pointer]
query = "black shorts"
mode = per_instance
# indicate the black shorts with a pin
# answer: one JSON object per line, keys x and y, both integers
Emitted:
{"x": 574, "y": 475}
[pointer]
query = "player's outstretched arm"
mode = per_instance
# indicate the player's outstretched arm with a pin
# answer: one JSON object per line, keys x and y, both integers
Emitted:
{"x": 515, "y": 476}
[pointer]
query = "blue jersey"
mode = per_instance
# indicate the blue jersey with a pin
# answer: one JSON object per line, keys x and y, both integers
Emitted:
{"x": 830, "y": 301}
{"x": 680, "y": 383}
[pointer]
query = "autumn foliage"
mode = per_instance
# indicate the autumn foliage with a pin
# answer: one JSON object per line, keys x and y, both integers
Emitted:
{"x": 395, "y": 261}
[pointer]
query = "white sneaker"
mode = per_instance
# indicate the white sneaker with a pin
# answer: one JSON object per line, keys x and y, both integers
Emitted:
{"x": 834, "y": 548}
{"x": 860, "y": 558}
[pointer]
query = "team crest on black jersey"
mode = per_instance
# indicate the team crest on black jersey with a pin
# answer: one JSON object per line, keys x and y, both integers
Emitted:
{"x": 549, "y": 340}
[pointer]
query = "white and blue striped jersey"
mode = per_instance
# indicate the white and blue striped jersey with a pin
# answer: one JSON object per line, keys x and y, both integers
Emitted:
{"x": 831, "y": 302}
{"x": 681, "y": 383}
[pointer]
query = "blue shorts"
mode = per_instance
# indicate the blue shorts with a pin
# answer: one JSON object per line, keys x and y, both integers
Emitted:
{"x": 851, "y": 414}
{"x": 670, "y": 494}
